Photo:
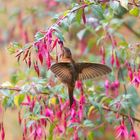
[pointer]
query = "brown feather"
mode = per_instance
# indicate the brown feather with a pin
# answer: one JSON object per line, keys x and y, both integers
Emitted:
{"x": 91, "y": 70}
{"x": 62, "y": 71}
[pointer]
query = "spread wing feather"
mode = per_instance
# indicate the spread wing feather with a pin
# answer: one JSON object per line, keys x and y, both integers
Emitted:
{"x": 62, "y": 71}
{"x": 91, "y": 70}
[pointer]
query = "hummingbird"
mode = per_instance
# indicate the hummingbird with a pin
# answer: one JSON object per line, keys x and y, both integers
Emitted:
{"x": 69, "y": 71}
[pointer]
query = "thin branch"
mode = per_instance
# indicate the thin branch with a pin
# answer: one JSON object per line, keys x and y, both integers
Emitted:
{"x": 104, "y": 107}
{"x": 132, "y": 30}
{"x": 10, "y": 88}
{"x": 122, "y": 114}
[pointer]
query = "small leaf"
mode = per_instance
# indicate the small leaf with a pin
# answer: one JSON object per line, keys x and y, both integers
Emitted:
{"x": 66, "y": 13}
{"x": 6, "y": 84}
{"x": 114, "y": 5}
{"x": 39, "y": 36}
{"x": 52, "y": 126}
{"x": 134, "y": 11}
{"x": 88, "y": 123}
{"x": 79, "y": 15}
{"x": 98, "y": 11}
{"x": 36, "y": 109}
{"x": 124, "y": 3}
{"x": 90, "y": 110}
{"x": 18, "y": 99}
{"x": 29, "y": 123}
{"x": 36, "y": 68}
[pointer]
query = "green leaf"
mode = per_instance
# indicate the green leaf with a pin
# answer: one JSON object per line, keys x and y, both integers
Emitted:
{"x": 97, "y": 11}
{"x": 52, "y": 126}
{"x": 18, "y": 99}
{"x": 29, "y": 123}
{"x": 79, "y": 15}
{"x": 114, "y": 5}
{"x": 124, "y": 3}
{"x": 90, "y": 136}
{"x": 59, "y": 35}
{"x": 88, "y": 123}
{"x": 7, "y": 102}
{"x": 38, "y": 36}
{"x": 36, "y": 109}
{"x": 134, "y": 11}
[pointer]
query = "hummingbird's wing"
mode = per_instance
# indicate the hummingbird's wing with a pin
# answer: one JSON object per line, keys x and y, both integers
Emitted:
{"x": 91, "y": 70}
{"x": 63, "y": 71}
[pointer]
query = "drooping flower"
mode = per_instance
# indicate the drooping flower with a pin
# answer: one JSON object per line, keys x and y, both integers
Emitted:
{"x": 117, "y": 62}
{"x": 2, "y": 132}
{"x": 133, "y": 135}
{"x": 107, "y": 86}
{"x": 112, "y": 59}
{"x": 49, "y": 113}
{"x": 80, "y": 112}
{"x": 136, "y": 80}
{"x": 121, "y": 131}
{"x": 130, "y": 73}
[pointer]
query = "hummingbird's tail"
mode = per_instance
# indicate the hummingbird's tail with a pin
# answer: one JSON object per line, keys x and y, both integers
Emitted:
{"x": 70, "y": 91}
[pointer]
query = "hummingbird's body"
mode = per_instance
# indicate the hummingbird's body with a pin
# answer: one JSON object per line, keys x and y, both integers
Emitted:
{"x": 68, "y": 71}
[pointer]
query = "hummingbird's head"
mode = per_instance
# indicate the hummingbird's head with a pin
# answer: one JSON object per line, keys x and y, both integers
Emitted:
{"x": 66, "y": 53}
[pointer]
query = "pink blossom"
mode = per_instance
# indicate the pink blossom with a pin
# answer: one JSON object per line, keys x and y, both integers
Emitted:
{"x": 39, "y": 131}
{"x": 80, "y": 113}
{"x": 78, "y": 84}
{"x": 2, "y": 132}
{"x": 19, "y": 117}
{"x": 117, "y": 62}
{"x": 112, "y": 59}
{"x": 76, "y": 135}
{"x": 136, "y": 80}
{"x": 121, "y": 131}
{"x": 102, "y": 52}
{"x": 133, "y": 135}
{"x": 60, "y": 129}
{"x": 73, "y": 113}
{"x": 130, "y": 73}
{"x": 49, "y": 113}
{"x": 30, "y": 103}
{"x": 82, "y": 100}
{"x": 107, "y": 86}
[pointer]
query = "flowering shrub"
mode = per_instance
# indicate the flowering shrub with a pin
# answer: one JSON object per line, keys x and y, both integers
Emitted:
{"x": 43, "y": 101}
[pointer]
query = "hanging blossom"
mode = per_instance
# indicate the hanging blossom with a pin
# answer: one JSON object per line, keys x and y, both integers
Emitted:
{"x": 2, "y": 131}
{"x": 133, "y": 135}
{"x": 112, "y": 86}
{"x": 136, "y": 79}
{"x": 134, "y": 75}
{"x": 30, "y": 102}
{"x": 37, "y": 131}
{"x": 121, "y": 131}
{"x": 102, "y": 52}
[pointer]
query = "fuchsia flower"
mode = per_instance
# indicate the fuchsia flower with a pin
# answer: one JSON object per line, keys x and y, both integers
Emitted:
{"x": 133, "y": 135}
{"x": 60, "y": 129}
{"x": 114, "y": 86}
{"x": 49, "y": 113}
{"x": 121, "y": 131}
{"x": 30, "y": 102}
{"x": 117, "y": 62}
{"x": 80, "y": 113}
{"x": 2, "y": 131}
{"x": 136, "y": 80}
{"x": 102, "y": 52}
{"x": 37, "y": 132}
{"x": 112, "y": 59}
{"x": 130, "y": 73}
{"x": 78, "y": 84}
